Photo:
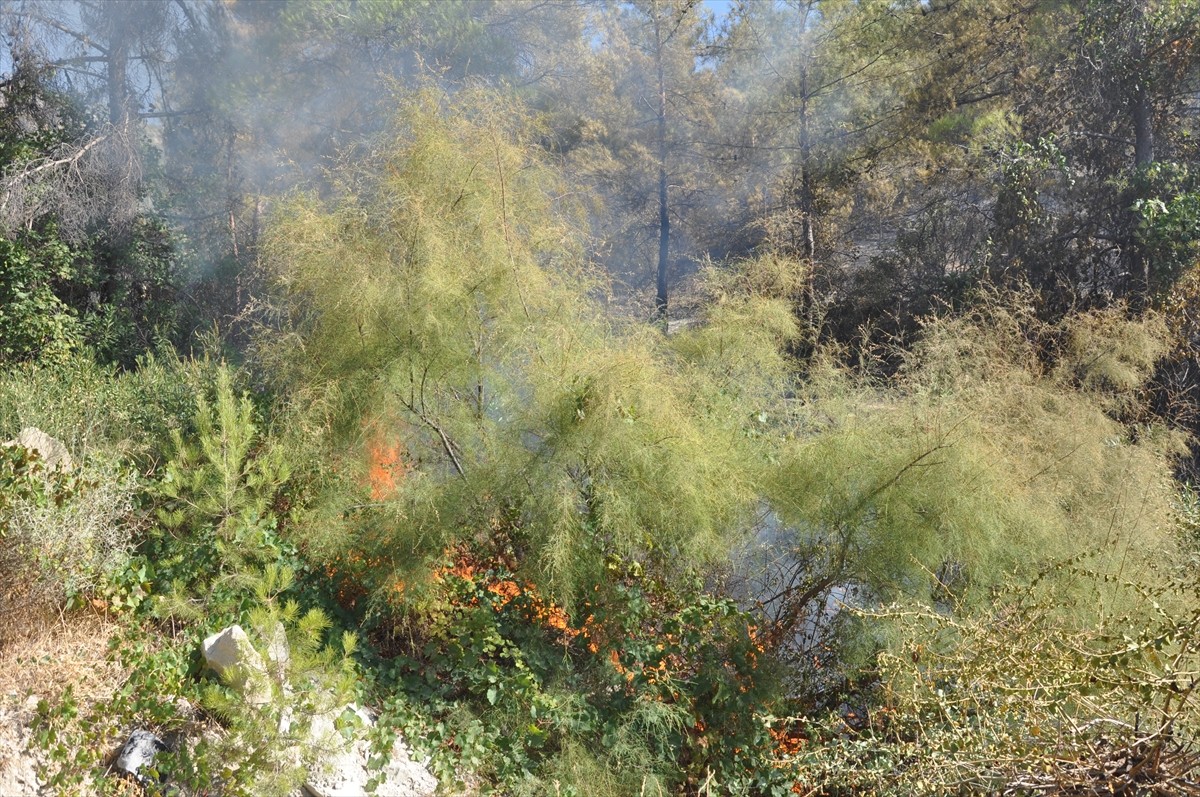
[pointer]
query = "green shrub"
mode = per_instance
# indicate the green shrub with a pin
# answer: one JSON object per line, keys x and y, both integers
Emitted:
{"x": 93, "y": 407}
{"x": 439, "y": 300}
{"x": 75, "y": 532}
{"x": 257, "y": 750}
{"x": 980, "y": 463}
{"x": 34, "y": 322}
{"x": 1167, "y": 214}
{"x": 23, "y": 479}
{"x": 668, "y": 691}
{"x": 217, "y": 524}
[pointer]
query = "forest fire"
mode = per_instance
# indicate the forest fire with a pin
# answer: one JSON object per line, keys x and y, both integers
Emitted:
{"x": 386, "y": 468}
{"x": 506, "y": 590}
{"x": 670, "y": 397}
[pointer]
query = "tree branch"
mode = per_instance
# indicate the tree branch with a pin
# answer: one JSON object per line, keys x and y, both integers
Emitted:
{"x": 27, "y": 173}
{"x": 81, "y": 37}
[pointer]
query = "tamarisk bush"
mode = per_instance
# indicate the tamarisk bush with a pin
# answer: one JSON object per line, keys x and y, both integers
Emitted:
{"x": 441, "y": 297}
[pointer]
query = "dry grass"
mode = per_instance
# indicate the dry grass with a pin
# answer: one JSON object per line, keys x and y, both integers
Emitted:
{"x": 45, "y": 655}
{"x": 40, "y": 657}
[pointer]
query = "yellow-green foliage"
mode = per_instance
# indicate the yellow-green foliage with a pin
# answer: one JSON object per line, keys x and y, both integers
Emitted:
{"x": 439, "y": 301}
{"x": 453, "y": 383}
{"x": 748, "y": 319}
{"x": 1013, "y": 700}
{"x": 979, "y": 458}
{"x": 1106, "y": 355}
{"x": 93, "y": 407}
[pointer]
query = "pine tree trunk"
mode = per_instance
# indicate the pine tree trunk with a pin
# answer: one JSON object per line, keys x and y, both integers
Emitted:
{"x": 1143, "y": 109}
{"x": 808, "y": 239}
{"x": 664, "y": 218}
{"x": 1143, "y": 129}
{"x": 664, "y": 238}
{"x": 118, "y": 76}
{"x": 1142, "y": 112}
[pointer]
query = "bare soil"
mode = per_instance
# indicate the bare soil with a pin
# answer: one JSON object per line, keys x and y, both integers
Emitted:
{"x": 40, "y": 656}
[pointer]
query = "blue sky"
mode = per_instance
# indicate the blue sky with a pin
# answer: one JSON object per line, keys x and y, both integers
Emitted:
{"x": 719, "y": 7}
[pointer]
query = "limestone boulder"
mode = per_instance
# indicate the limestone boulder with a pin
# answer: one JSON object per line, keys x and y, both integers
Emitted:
{"x": 232, "y": 656}
{"x": 52, "y": 451}
{"x": 344, "y": 771}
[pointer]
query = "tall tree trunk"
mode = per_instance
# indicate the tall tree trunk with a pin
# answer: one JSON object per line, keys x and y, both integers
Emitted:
{"x": 664, "y": 238}
{"x": 1143, "y": 128}
{"x": 1143, "y": 156}
{"x": 124, "y": 169}
{"x": 807, "y": 243}
{"x": 664, "y": 218}
{"x": 1142, "y": 113}
{"x": 118, "y": 70}
{"x": 808, "y": 239}
{"x": 1143, "y": 110}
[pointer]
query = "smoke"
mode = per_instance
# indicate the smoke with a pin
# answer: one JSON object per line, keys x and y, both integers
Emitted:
{"x": 222, "y": 104}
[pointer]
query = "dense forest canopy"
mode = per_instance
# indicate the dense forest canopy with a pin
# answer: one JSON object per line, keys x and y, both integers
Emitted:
{"x": 654, "y": 397}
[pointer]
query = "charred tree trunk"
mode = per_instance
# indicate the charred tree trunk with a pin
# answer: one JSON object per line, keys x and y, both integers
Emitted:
{"x": 1142, "y": 105}
{"x": 1143, "y": 128}
{"x": 664, "y": 217}
{"x": 118, "y": 21}
{"x": 118, "y": 82}
{"x": 808, "y": 240}
{"x": 1142, "y": 114}
{"x": 807, "y": 245}
{"x": 124, "y": 167}
{"x": 1143, "y": 156}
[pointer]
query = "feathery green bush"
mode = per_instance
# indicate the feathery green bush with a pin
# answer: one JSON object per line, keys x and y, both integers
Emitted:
{"x": 441, "y": 296}
{"x": 983, "y": 461}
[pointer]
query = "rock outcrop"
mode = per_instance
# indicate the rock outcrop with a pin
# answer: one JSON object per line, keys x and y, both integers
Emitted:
{"x": 18, "y": 760}
{"x": 343, "y": 759}
{"x": 52, "y": 451}
{"x": 231, "y": 655}
{"x": 345, "y": 770}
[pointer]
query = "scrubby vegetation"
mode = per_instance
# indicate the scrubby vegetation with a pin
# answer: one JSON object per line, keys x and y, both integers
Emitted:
{"x": 413, "y": 431}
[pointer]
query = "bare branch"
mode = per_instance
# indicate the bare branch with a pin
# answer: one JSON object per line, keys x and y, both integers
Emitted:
{"x": 44, "y": 165}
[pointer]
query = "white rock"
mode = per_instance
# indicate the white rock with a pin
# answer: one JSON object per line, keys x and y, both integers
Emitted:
{"x": 347, "y": 774}
{"x": 52, "y": 451}
{"x": 344, "y": 771}
{"x": 230, "y": 653}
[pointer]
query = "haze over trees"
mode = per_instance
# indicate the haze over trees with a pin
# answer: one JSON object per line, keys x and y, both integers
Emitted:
{"x": 619, "y": 397}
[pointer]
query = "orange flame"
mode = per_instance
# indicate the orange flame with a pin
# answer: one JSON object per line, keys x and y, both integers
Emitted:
{"x": 386, "y": 468}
